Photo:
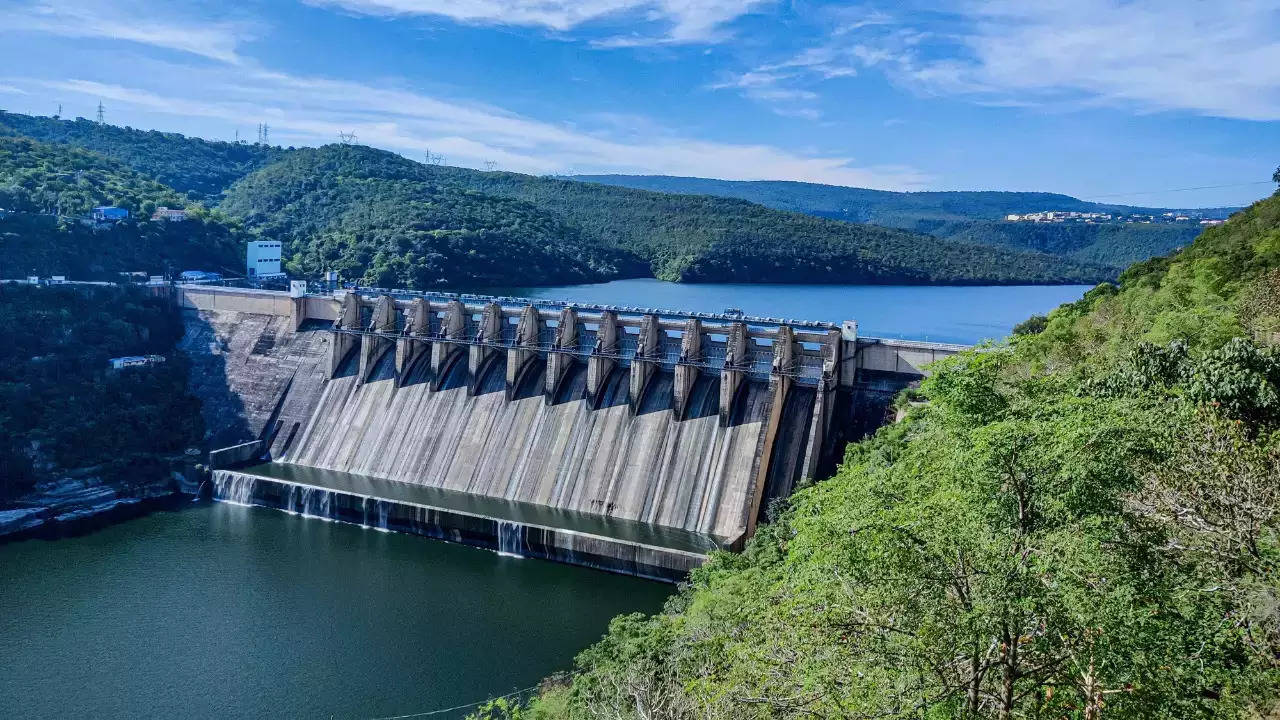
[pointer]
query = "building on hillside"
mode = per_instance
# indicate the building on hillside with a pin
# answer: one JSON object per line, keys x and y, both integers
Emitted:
{"x": 129, "y": 361}
{"x": 170, "y": 214}
{"x": 110, "y": 213}
{"x": 262, "y": 259}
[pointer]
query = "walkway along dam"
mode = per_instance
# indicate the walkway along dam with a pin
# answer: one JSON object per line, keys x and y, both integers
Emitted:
{"x": 628, "y": 439}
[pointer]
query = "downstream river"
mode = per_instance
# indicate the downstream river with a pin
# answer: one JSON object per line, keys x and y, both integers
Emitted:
{"x": 951, "y": 314}
{"x": 218, "y": 611}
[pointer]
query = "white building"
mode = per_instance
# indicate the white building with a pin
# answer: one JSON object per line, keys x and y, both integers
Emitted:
{"x": 170, "y": 214}
{"x": 263, "y": 259}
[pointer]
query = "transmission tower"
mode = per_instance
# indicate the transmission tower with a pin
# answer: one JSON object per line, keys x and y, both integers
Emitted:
{"x": 347, "y": 138}
{"x": 490, "y": 165}
{"x": 59, "y": 111}
{"x": 101, "y": 111}
{"x": 266, "y": 134}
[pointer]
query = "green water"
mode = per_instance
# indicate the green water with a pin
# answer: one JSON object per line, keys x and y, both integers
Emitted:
{"x": 220, "y": 611}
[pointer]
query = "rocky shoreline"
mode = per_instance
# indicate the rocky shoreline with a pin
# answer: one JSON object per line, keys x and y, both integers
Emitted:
{"x": 69, "y": 504}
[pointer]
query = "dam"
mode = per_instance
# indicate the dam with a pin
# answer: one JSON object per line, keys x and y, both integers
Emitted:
{"x": 629, "y": 439}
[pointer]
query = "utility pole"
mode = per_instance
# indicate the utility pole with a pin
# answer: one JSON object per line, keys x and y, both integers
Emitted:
{"x": 101, "y": 112}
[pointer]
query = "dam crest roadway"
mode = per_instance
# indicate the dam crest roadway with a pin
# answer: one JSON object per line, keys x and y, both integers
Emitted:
{"x": 628, "y": 439}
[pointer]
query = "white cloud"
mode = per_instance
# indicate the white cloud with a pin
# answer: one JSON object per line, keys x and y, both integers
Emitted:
{"x": 310, "y": 110}
{"x": 1220, "y": 59}
{"x": 136, "y": 23}
{"x": 12, "y": 90}
{"x": 1216, "y": 59}
{"x": 687, "y": 21}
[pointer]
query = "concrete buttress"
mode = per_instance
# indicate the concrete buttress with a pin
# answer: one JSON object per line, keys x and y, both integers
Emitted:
{"x": 558, "y": 363}
{"x": 348, "y": 319}
{"x": 648, "y": 355}
{"x": 735, "y": 365}
{"x": 453, "y": 327}
{"x": 525, "y": 350}
{"x": 413, "y": 343}
{"x": 687, "y": 367}
{"x": 488, "y": 338}
{"x": 604, "y": 357}
{"x": 380, "y": 336}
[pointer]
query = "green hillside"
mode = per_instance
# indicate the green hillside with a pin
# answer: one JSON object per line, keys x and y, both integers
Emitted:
{"x": 46, "y": 188}
{"x": 965, "y": 216}
{"x": 1083, "y": 522}
{"x": 700, "y": 238}
{"x": 377, "y": 216}
{"x": 199, "y": 168}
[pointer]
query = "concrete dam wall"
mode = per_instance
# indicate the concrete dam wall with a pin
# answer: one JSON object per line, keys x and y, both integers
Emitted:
{"x": 624, "y": 438}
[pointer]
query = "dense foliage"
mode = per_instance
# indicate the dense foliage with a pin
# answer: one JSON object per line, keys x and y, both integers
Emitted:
{"x": 964, "y": 216}
{"x": 62, "y": 408}
{"x": 700, "y": 238}
{"x": 396, "y": 222}
{"x": 1082, "y": 523}
{"x": 202, "y": 169}
{"x": 378, "y": 217}
{"x": 48, "y": 190}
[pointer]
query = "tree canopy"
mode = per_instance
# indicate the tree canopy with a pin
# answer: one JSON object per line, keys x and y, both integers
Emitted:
{"x": 1080, "y": 522}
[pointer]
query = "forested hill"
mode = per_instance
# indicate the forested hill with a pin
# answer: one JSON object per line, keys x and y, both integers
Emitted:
{"x": 967, "y": 216}
{"x": 406, "y": 224}
{"x": 46, "y": 189}
{"x": 390, "y": 222}
{"x": 349, "y": 206}
{"x": 1082, "y": 523}
{"x": 201, "y": 169}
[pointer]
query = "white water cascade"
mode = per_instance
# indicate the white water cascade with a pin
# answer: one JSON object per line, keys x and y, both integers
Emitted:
{"x": 234, "y": 488}
{"x": 510, "y": 539}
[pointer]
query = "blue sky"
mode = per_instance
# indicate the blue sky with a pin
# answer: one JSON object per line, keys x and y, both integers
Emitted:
{"x": 1117, "y": 100}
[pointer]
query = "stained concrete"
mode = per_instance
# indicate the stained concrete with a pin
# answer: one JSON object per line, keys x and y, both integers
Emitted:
{"x": 693, "y": 474}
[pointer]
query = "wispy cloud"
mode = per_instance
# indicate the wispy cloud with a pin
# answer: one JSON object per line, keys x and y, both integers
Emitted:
{"x": 684, "y": 21}
{"x": 1215, "y": 59}
{"x": 1220, "y": 59}
{"x": 305, "y": 110}
{"x": 137, "y": 23}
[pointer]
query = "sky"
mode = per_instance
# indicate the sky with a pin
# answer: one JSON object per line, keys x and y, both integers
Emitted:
{"x": 1124, "y": 101}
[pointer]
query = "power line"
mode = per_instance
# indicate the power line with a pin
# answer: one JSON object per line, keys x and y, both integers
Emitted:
{"x": 1156, "y": 192}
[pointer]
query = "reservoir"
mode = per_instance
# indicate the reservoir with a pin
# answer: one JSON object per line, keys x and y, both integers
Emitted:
{"x": 225, "y": 611}
{"x": 937, "y": 313}
{"x": 220, "y": 610}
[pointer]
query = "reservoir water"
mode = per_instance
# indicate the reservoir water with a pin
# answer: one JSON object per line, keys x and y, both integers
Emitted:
{"x": 218, "y": 611}
{"x": 951, "y": 314}
{"x": 225, "y": 611}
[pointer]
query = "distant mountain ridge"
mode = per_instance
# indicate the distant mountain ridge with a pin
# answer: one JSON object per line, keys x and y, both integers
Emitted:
{"x": 383, "y": 219}
{"x": 962, "y": 215}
